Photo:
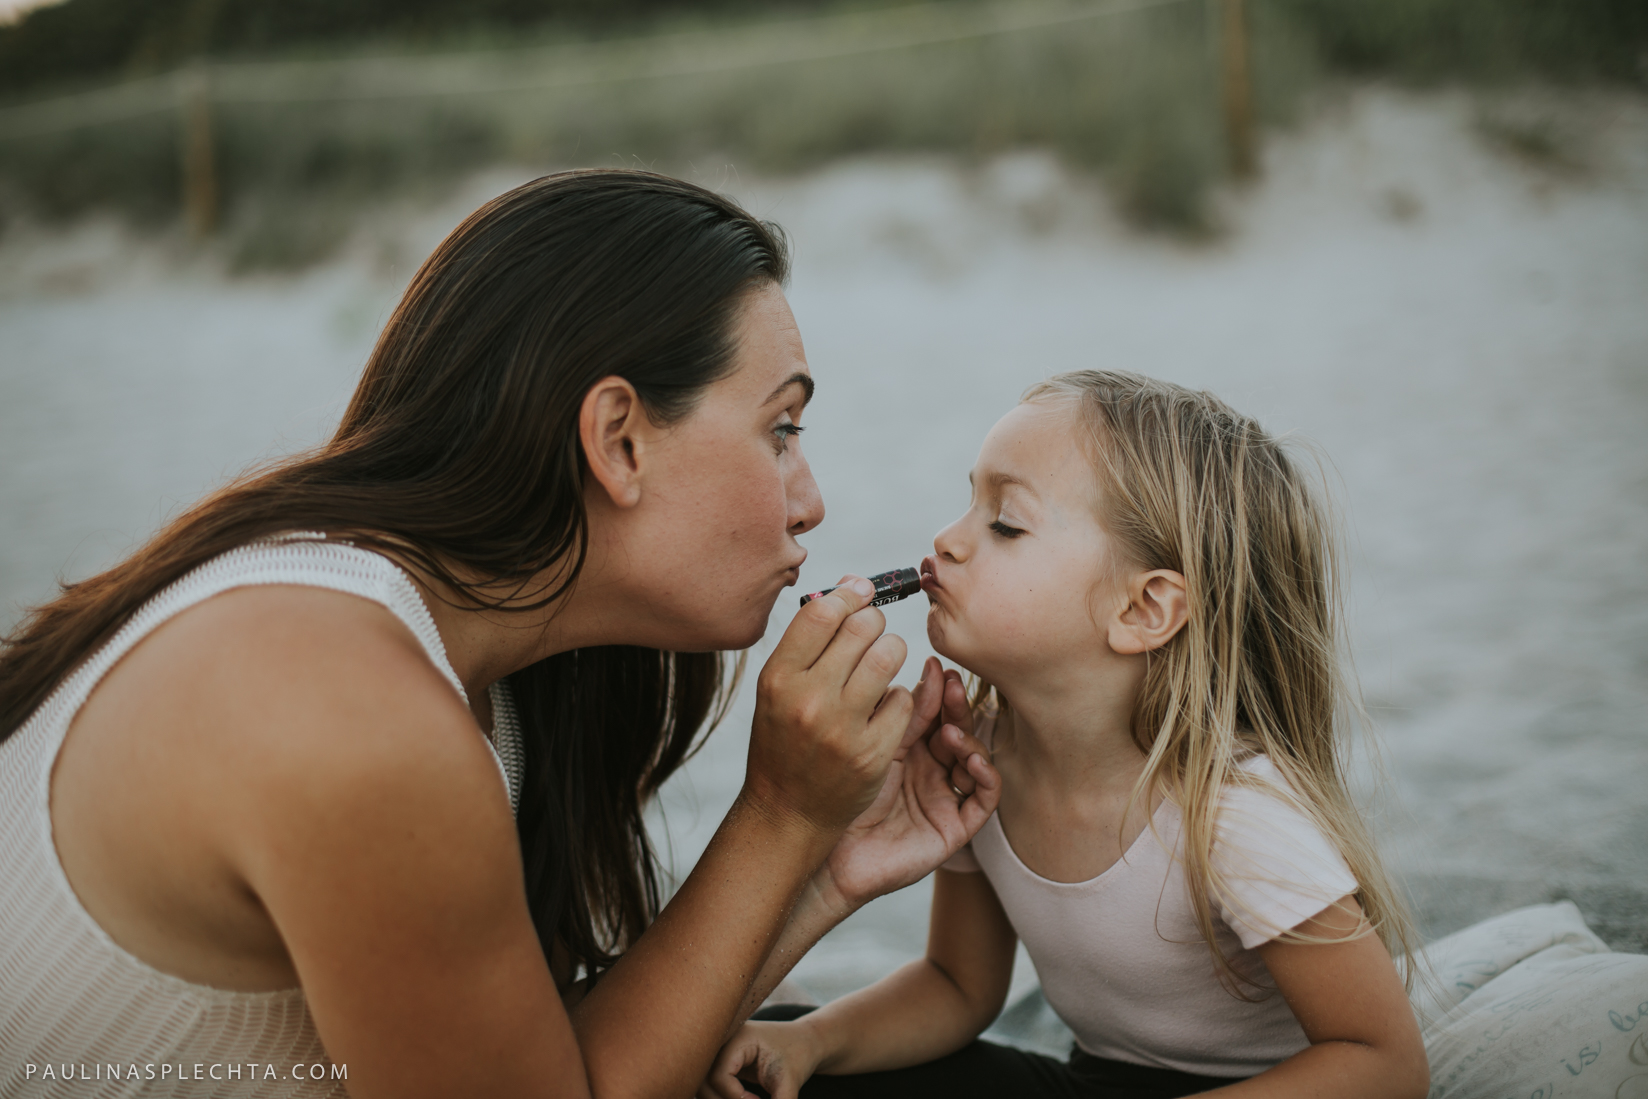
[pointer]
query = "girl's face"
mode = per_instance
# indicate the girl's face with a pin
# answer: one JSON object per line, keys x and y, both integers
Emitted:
{"x": 1015, "y": 582}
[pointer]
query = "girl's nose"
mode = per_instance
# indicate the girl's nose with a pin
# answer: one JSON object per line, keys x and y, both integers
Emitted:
{"x": 949, "y": 543}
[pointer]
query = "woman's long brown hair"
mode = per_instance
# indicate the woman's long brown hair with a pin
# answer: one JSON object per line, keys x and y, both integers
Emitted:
{"x": 460, "y": 453}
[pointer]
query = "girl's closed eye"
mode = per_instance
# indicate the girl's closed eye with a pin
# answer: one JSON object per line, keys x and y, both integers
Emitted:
{"x": 1004, "y": 530}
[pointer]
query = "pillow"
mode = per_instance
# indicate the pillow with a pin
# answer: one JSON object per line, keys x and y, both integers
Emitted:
{"x": 1539, "y": 1008}
{"x": 1452, "y": 968}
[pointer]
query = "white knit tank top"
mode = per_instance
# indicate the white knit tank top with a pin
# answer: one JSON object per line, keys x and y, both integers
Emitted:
{"x": 81, "y": 1017}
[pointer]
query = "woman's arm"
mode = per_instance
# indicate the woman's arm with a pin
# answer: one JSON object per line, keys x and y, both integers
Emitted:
{"x": 360, "y": 808}
{"x": 1346, "y": 994}
{"x": 924, "y": 1010}
{"x": 916, "y": 823}
{"x": 826, "y": 729}
{"x": 884, "y": 851}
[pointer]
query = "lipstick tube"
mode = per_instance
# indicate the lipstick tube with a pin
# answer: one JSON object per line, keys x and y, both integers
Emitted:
{"x": 890, "y": 587}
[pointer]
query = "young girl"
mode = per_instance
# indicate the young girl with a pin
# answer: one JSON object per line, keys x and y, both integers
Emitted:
{"x": 1145, "y": 587}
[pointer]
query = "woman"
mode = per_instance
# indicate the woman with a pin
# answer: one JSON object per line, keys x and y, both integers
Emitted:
{"x": 256, "y": 780}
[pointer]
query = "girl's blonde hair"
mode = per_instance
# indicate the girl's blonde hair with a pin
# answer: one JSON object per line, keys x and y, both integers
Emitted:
{"x": 1189, "y": 484}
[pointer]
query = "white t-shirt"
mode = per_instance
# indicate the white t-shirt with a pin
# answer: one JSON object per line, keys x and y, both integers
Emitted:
{"x": 1120, "y": 957}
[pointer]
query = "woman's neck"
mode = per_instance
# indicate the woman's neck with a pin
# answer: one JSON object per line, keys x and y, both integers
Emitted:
{"x": 483, "y": 645}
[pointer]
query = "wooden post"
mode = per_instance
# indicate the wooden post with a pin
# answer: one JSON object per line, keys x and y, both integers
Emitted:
{"x": 1238, "y": 89}
{"x": 200, "y": 198}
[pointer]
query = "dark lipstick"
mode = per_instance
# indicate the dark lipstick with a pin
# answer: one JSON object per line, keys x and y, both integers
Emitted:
{"x": 890, "y": 587}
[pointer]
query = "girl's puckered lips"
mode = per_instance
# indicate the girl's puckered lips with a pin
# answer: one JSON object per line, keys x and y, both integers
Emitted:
{"x": 929, "y": 575}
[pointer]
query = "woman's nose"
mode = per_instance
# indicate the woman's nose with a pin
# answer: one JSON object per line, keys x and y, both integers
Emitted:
{"x": 806, "y": 503}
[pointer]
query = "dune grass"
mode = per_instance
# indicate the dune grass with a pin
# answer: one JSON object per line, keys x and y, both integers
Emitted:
{"x": 1132, "y": 97}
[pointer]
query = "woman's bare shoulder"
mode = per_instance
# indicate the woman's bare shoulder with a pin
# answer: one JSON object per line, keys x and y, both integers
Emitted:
{"x": 292, "y": 693}
{"x": 239, "y": 739}
{"x": 291, "y": 669}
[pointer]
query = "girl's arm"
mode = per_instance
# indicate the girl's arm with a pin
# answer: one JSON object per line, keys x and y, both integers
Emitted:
{"x": 1364, "y": 1039}
{"x": 925, "y": 1010}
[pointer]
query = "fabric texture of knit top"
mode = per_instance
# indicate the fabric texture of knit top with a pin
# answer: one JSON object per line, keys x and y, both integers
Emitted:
{"x": 72, "y": 1001}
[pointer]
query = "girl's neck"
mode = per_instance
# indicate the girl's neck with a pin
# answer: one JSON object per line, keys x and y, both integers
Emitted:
{"x": 1076, "y": 737}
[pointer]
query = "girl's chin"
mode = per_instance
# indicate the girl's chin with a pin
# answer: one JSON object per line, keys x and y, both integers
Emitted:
{"x": 943, "y": 645}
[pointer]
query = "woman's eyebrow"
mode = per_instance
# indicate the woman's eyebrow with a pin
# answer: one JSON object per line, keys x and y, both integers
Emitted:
{"x": 801, "y": 378}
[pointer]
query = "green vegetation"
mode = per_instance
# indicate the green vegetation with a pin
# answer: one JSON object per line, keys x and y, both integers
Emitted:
{"x": 93, "y": 40}
{"x": 1132, "y": 95}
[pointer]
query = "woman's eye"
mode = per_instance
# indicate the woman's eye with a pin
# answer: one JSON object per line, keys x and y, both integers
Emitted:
{"x": 784, "y": 433}
{"x": 1004, "y": 530}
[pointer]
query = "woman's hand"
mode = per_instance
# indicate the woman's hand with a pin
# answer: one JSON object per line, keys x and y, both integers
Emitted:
{"x": 921, "y": 817}
{"x": 827, "y": 725}
{"x": 924, "y": 813}
{"x": 778, "y": 1056}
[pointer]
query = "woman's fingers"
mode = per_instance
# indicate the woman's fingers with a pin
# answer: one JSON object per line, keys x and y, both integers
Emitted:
{"x": 826, "y": 726}
{"x": 873, "y": 671}
{"x": 816, "y": 625}
{"x": 859, "y": 632}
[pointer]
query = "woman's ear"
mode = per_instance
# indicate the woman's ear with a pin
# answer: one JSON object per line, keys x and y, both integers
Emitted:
{"x": 612, "y": 426}
{"x": 1157, "y": 608}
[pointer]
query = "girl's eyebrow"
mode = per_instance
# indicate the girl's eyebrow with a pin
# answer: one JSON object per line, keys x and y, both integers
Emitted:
{"x": 999, "y": 480}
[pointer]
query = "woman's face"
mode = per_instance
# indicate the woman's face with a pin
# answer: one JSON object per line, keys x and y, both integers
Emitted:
{"x": 724, "y": 493}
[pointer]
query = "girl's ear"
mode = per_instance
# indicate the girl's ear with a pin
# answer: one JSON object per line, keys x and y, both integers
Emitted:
{"x": 1157, "y": 608}
{"x": 611, "y": 425}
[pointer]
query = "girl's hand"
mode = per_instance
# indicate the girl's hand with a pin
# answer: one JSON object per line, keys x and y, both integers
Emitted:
{"x": 919, "y": 819}
{"x": 951, "y": 746}
{"x": 778, "y": 1056}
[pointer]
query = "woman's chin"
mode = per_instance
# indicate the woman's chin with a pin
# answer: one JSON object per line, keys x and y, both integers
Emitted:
{"x": 743, "y": 633}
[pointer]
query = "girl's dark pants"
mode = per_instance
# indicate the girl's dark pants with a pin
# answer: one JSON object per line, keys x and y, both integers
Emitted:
{"x": 984, "y": 1070}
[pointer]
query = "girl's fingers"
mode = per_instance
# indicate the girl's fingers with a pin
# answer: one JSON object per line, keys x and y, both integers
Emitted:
{"x": 891, "y": 714}
{"x": 985, "y": 797}
{"x": 954, "y": 754}
{"x": 927, "y": 698}
{"x": 722, "y": 1081}
{"x": 952, "y": 746}
{"x": 955, "y": 709}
